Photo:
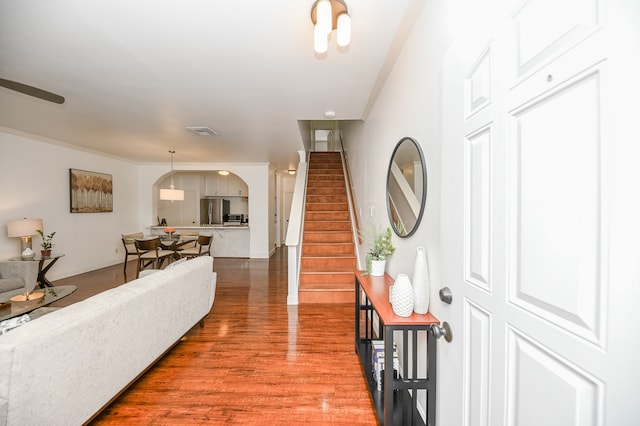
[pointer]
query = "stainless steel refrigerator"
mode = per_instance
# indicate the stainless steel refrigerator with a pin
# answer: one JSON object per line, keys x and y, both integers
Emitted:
{"x": 213, "y": 210}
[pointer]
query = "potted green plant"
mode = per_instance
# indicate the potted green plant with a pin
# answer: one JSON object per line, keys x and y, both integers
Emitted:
{"x": 379, "y": 248}
{"x": 46, "y": 242}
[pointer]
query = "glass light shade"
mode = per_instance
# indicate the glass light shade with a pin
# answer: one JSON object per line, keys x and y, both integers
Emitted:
{"x": 320, "y": 40}
{"x": 172, "y": 194}
{"x": 344, "y": 29}
{"x": 323, "y": 17}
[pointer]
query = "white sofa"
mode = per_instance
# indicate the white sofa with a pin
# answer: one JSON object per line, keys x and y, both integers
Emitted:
{"x": 66, "y": 366}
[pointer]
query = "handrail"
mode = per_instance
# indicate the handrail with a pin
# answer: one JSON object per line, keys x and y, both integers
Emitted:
{"x": 352, "y": 198}
{"x": 352, "y": 208}
{"x": 295, "y": 229}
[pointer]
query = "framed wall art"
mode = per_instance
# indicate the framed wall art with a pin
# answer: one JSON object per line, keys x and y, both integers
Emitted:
{"x": 90, "y": 192}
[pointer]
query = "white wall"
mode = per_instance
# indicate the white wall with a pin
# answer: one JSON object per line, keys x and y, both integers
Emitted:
{"x": 408, "y": 105}
{"x": 35, "y": 184}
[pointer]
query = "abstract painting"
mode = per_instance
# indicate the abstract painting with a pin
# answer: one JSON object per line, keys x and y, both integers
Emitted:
{"x": 91, "y": 192}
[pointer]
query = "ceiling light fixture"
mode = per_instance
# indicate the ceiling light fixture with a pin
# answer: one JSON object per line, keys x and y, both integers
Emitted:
{"x": 292, "y": 171}
{"x": 223, "y": 172}
{"x": 329, "y": 15}
{"x": 172, "y": 194}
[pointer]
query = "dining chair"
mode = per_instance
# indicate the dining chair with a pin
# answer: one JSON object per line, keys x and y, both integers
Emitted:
{"x": 189, "y": 235}
{"x": 202, "y": 248}
{"x": 128, "y": 241}
{"x": 150, "y": 253}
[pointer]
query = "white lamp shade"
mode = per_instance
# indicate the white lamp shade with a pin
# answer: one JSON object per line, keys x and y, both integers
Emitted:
{"x": 24, "y": 227}
{"x": 172, "y": 194}
{"x": 344, "y": 29}
{"x": 320, "y": 40}
{"x": 323, "y": 17}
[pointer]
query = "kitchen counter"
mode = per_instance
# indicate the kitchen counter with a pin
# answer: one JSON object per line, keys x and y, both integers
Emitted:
{"x": 228, "y": 241}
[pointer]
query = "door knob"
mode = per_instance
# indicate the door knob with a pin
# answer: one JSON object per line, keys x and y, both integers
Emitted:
{"x": 444, "y": 331}
{"x": 445, "y": 295}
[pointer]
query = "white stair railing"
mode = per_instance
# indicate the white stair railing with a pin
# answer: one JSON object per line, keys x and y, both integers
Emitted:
{"x": 294, "y": 233}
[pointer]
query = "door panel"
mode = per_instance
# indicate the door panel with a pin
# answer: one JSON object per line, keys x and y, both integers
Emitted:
{"x": 478, "y": 214}
{"x": 478, "y": 85}
{"x": 556, "y": 221}
{"x": 544, "y": 29}
{"x": 477, "y": 365}
{"x": 536, "y": 374}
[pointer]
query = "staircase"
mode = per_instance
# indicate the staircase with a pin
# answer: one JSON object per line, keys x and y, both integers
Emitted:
{"x": 328, "y": 252}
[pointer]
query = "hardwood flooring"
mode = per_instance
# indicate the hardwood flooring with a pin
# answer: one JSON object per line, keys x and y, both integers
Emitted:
{"x": 256, "y": 361}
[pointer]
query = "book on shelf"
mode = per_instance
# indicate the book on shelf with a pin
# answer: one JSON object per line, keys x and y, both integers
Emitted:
{"x": 378, "y": 362}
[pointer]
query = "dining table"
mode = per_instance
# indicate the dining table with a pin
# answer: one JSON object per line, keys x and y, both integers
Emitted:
{"x": 176, "y": 243}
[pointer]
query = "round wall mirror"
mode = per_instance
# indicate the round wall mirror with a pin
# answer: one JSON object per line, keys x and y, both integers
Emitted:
{"x": 406, "y": 187}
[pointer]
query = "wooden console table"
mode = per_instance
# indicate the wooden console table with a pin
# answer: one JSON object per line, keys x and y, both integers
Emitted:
{"x": 394, "y": 404}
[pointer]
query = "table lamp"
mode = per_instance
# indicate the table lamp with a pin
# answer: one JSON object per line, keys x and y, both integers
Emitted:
{"x": 24, "y": 229}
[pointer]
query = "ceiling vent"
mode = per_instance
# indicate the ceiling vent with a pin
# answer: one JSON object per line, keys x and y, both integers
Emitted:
{"x": 203, "y": 131}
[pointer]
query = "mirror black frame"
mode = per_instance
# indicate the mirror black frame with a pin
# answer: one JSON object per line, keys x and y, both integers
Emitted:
{"x": 423, "y": 200}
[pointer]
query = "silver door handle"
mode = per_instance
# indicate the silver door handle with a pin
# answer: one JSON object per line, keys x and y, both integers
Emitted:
{"x": 446, "y": 295}
{"x": 444, "y": 331}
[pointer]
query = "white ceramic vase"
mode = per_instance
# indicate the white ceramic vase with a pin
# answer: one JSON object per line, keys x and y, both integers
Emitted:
{"x": 402, "y": 296}
{"x": 421, "y": 282}
{"x": 377, "y": 267}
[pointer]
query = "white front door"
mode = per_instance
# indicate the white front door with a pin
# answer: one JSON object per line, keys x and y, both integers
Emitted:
{"x": 540, "y": 220}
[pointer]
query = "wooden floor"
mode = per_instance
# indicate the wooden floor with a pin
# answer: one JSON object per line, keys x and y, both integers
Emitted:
{"x": 256, "y": 361}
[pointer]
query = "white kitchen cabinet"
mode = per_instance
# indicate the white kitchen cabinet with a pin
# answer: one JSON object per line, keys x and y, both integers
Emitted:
{"x": 236, "y": 186}
{"x": 228, "y": 186}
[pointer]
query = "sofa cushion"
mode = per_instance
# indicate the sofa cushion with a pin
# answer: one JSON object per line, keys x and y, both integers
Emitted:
{"x": 25, "y": 272}
{"x": 8, "y": 284}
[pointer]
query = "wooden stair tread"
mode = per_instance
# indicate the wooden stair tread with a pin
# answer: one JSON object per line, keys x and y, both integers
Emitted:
{"x": 330, "y": 270}
{"x": 327, "y": 286}
{"x": 320, "y": 255}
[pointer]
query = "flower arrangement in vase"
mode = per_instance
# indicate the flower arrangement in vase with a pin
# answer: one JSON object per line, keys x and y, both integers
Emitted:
{"x": 47, "y": 243}
{"x": 379, "y": 248}
{"x": 169, "y": 231}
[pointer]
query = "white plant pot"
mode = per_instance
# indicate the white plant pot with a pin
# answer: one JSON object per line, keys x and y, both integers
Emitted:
{"x": 377, "y": 267}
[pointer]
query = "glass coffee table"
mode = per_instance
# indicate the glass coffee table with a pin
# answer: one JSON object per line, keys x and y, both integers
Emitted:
{"x": 10, "y": 309}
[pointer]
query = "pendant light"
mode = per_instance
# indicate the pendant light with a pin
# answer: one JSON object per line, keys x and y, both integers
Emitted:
{"x": 172, "y": 194}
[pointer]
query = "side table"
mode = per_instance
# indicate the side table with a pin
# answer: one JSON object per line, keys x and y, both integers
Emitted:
{"x": 394, "y": 403}
{"x": 44, "y": 264}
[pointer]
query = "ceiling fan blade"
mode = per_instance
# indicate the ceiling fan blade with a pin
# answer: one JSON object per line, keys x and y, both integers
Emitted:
{"x": 31, "y": 91}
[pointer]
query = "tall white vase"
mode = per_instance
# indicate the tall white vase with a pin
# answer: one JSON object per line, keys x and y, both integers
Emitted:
{"x": 402, "y": 296}
{"x": 421, "y": 282}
